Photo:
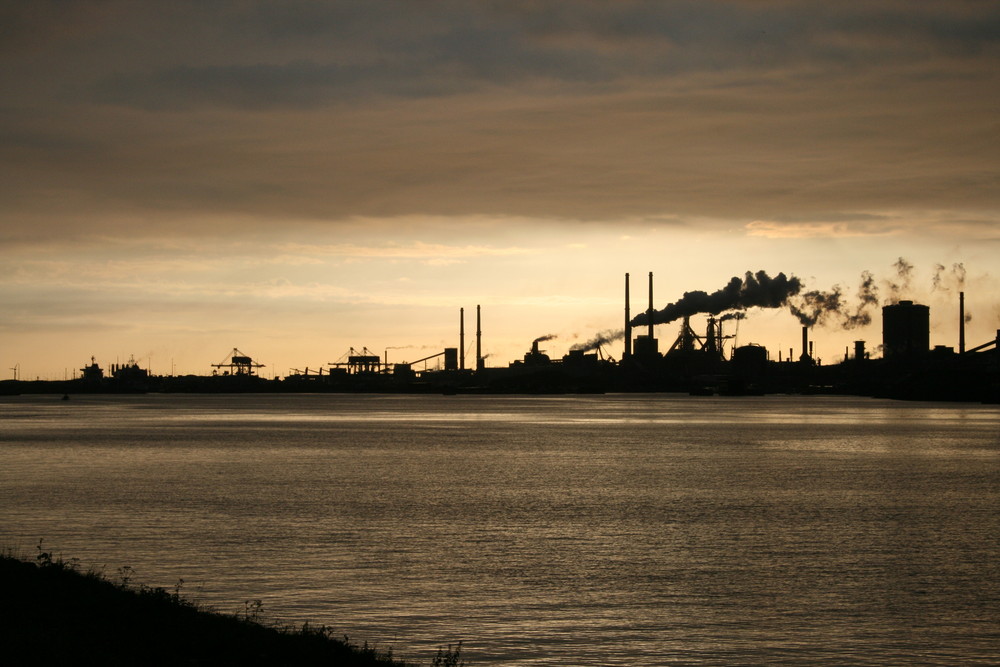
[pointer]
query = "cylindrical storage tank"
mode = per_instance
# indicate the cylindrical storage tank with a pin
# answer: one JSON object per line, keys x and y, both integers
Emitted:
{"x": 750, "y": 357}
{"x": 451, "y": 358}
{"x": 906, "y": 329}
{"x": 749, "y": 364}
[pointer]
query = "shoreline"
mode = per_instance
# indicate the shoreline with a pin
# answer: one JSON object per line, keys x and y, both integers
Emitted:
{"x": 57, "y": 614}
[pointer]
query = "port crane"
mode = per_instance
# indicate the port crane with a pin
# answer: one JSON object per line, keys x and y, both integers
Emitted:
{"x": 238, "y": 363}
{"x": 364, "y": 361}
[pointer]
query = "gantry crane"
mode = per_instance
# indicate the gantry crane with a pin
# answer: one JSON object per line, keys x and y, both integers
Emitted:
{"x": 238, "y": 363}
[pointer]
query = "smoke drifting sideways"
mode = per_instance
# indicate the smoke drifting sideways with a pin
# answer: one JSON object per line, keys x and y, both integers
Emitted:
{"x": 754, "y": 290}
{"x": 818, "y": 307}
{"x": 811, "y": 308}
{"x": 603, "y": 338}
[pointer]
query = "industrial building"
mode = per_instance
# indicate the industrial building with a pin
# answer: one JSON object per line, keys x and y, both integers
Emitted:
{"x": 906, "y": 329}
{"x": 699, "y": 361}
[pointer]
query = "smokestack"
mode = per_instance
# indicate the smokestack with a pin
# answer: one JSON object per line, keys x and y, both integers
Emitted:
{"x": 479, "y": 341}
{"x": 628, "y": 323}
{"x": 461, "y": 339}
{"x": 650, "y": 306}
{"x": 710, "y": 337}
{"x": 859, "y": 350}
{"x": 805, "y": 344}
{"x": 961, "y": 322}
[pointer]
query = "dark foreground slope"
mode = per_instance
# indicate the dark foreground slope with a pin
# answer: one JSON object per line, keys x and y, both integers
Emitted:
{"x": 50, "y": 614}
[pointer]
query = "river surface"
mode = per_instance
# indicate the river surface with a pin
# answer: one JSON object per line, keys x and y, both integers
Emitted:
{"x": 579, "y": 530}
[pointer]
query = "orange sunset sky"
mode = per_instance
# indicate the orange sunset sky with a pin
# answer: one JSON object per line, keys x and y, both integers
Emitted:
{"x": 298, "y": 178}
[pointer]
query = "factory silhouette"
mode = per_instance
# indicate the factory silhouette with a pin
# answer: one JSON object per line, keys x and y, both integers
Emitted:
{"x": 694, "y": 362}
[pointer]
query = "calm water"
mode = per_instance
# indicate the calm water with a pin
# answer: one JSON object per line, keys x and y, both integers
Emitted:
{"x": 603, "y": 530}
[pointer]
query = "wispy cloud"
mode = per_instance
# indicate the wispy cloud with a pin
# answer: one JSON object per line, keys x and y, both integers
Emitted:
{"x": 889, "y": 223}
{"x": 808, "y": 230}
{"x": 434, "y": 253}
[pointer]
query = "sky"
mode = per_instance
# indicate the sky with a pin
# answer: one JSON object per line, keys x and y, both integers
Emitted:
{"x": 296, "y": 179}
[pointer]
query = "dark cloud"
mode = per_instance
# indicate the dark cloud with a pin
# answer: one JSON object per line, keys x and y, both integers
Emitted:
{"x": 789, "y": 111}
{"x": 303, "y": 53}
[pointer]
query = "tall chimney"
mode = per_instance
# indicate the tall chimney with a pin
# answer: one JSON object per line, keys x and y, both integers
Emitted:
{"x": 961, "y": 322}
{"x": 479, "y": 341}
{"x": 628, "y": 322}
{"x": 650, "y": 311}
{"x": 805, "y": 344}
{"x": 710, "y": 337}
{"x": 461, "y": 339}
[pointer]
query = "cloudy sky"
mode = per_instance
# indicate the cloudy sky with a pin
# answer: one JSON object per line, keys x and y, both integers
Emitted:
{"x": 298, "y": 178}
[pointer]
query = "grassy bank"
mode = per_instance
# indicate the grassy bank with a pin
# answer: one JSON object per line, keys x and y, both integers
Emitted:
{"x": 52, "y": 613}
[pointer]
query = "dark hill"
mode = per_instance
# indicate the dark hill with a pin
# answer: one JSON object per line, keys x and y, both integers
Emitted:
{"x": 51, "y": 614}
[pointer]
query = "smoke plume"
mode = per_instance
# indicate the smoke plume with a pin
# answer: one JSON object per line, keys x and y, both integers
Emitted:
{"x": 944, "y": 281}
{"x": 753, "y": 290}
{"x": 936, "y": 280}
{"x": 904, "y": 274}
{"x": 542, "y": 339}
{"x": 813, "y": 307}
{"x": 867, "y": 298}
{"x": 603, "y": 338}
{"x": 958, "y": 270}
{"x": 819, "y": 307}
{"x": 816, "y": 307}
{"x": 904, "y": 269}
